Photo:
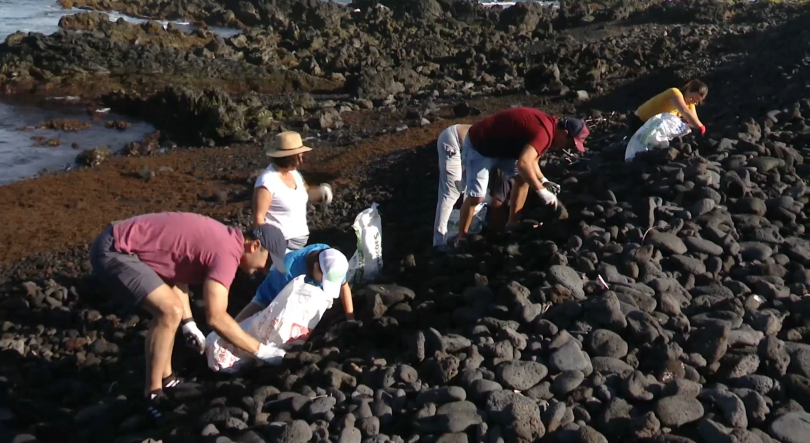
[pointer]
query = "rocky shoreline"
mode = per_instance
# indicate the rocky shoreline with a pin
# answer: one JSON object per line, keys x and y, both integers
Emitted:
{"x": 678, "y": 284}
{"x": 414, "y": 53}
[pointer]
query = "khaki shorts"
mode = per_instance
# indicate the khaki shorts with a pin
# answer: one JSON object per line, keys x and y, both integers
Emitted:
{"x": 125, "y": 275}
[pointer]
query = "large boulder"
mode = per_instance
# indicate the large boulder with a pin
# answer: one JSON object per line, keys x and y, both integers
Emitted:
{"x": 373, "y": 85}
{"x": 524, "y": 17}
{"x": 83, "y": 21}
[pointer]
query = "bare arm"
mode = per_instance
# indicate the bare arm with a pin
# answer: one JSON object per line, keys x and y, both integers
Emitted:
{"x": 262, "y": 198}
{"x": 687, "y": 113}
{"x": 215, "y": 296}
{"x": 346, "y": 298}
{"x": 529, "y": 169}
{"x": 247, "y": 312}
{"x": 539, "y": 173}
{"x": 517, "y": 199}
{"x": 315, "y": 194}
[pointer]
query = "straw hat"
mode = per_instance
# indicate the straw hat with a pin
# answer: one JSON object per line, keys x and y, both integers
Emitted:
{"x": 286, "y": 144}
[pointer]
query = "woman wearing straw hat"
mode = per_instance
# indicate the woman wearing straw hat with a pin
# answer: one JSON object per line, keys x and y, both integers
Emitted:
{"x": 280, "y": 195}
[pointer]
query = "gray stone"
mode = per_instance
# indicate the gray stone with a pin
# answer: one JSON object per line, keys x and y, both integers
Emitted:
{"x": 755, "y": 405}
{"x": 609, "y": 365}
{"x": 711, "y": 431}
{"x": 751, "y": 205}
{"x": 587, "y": 434}
{"x": 540, "y": 392}
{"x": 566, "y": 382}
{"x": 711, "y": 342}
{"x": 765, "y": 164}
{"x": 456, "y": 406}
{"x": 702, "y": 246}
{"x": 606, "y": 311}
{"x": 604, "y": 343}
{"x": 569, "y": 358}
{"x": 615, "y": 418}
{"x": 520, "y": 375}
{"x": 678, "y": 410}
{"x": 760, "y": 383}
{"x": 666, "y": 242}
{"x": 453, "y": 437}
{"x": 568, "y": 278}
{"x": 683, "y": 387}
{"x": 687, "y": 264}
{"x": 454, "y": 343}
{"x": 441, "y": 395}
{"x": 740, "y": 366}
{"x": 732, "y": 406}
{"x": 799, "y": 359}
{"x": 497, "y": 401}
{"x": 702, "y": 206}
{"x": 645, "y": 426}
{"x": 298, "y": 431}
{"x": 479, "y": 388}
{"x": 793, "y": 427}
{"x": 523, "y": 422}
{"x": 752, "y": 251}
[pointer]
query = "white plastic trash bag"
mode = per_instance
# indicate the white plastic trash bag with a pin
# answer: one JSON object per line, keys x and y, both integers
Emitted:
{"x": 477, "y": 224}
{"x": 656, "y": 133}
{"x": 288, "y": 320}
{"x": 367, "y": 263}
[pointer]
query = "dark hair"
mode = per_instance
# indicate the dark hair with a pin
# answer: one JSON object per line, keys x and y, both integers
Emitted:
{"x": 312, "y": 260}
{"x": 289, "y": 162}
{"x": 696, "y": 86}
{"x": 251, "y": 235}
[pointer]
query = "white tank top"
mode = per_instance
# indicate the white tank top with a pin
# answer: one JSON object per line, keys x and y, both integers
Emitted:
{"x": 288, "y": 209}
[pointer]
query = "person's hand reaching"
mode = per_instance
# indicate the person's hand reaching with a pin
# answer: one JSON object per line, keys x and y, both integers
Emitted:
{"x": 554, "y": 188}
{"x": 326, "y": 193}
{"x": 269, "y": 354}
{"x": 192, "y": 335}
{"x": 547, "y": 197}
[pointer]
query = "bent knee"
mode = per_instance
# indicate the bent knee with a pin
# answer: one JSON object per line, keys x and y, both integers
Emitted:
{"x": 173, "y": 311}
{"x": 165, "y": 305}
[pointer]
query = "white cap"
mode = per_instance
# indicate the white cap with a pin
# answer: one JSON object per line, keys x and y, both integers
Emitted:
{"x": 334, "y": 267}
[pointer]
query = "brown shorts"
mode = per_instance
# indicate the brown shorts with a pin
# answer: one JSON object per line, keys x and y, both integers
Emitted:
{"x": 125, "y": 275}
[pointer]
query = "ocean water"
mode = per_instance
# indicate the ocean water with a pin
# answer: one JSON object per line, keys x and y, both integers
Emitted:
{"x": 43, "y": 16}
{"x": 20, "y": 157}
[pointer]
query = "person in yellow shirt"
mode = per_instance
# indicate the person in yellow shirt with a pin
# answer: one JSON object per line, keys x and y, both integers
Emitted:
{"x": 680, "y": 102}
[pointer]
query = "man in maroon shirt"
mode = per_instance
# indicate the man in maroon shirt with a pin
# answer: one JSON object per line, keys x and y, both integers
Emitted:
{"x": 149, "y": 261}
{"x": 513, "y": 141}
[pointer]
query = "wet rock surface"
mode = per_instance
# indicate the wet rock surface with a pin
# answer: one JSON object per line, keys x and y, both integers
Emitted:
{"x": 696, "y": 331}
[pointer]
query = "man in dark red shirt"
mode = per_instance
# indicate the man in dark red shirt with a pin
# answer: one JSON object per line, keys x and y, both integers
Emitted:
{"x": 513, "y": 141}
{"x": 149, "y": 261}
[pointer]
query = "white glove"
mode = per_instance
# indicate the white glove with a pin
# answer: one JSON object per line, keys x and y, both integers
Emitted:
{"x": 551, "y": 186}
{"x": 270, "y": 354}
{"x": 326, "y": 193}
{"x": 193, "y": 337}
{"x": 548, "y": 197}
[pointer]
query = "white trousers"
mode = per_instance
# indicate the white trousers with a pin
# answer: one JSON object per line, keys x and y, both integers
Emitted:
{"x": 451, "y": 181}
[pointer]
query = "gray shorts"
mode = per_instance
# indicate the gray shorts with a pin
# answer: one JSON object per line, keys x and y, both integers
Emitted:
{"x": 501, "y": 188}
{"x": 295, "y": 244}
{"x": 129, "y": 279}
